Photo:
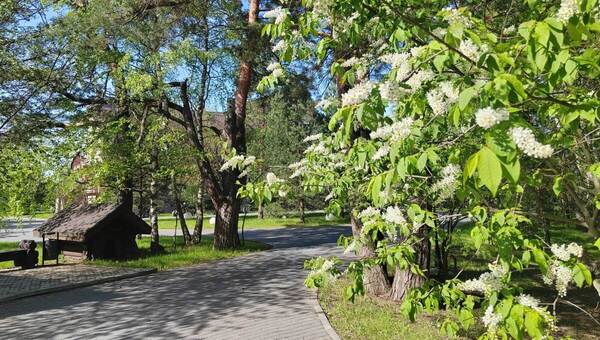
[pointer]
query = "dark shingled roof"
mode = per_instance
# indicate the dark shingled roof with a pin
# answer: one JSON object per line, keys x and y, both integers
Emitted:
{"x": 78, "y": 222}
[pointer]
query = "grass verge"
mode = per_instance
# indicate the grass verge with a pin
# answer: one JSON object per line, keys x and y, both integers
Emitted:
{"x": 181, "y": 256}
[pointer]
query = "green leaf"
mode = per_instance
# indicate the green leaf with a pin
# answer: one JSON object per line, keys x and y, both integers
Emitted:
{"x": 557, "y": 186}
{"x": 597, "y": 244}
{"x": 581, "y": 275}
{"x": 512, "y": 170}
{"x": 534, "y": 324}
{"x": 490, "y": 169}
{"x": 465, "y": 97}
{"x": 471, "y": 165}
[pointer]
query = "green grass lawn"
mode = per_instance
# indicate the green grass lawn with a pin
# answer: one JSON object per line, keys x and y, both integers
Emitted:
{"x": 311, "y": 220}
{"x": 371, "y": 318}
{"x": 181, "y": 256}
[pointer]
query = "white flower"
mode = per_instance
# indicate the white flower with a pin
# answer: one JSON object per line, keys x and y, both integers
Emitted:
{"x": 488, "y": 117}
{"x": 509, "y": 30}
{"x": 313, "y": 138}
{"x": 568, "y": 8}
{"x": 369, "y": 213}
{"x": 470, "y": 50}
{"x": 272, "y": 179}
{"x": 318, "y": 149}
{"x": 395, "y": 132}
{"x": 437, "y": 102}
{"x": 528, "y": 301}
{"x": 394, "y": 215}
{"x": 280, "y": 46}
{"x": 446, "y": 186}
{"x": 278, "y": 13}
{"x": 275, "y": 69}
{"x": 487, "y": 282}
{"x": 282, "y": 193}
{"x": 400, "y": 62}
{"x": 383, "y": 151}
{"x": 390, "y": 91}
{"x": 416, "y": 81}
{"x": 417, "y": 51}
{"x": 248, "y": 161}
{"x": 212, "y": 220}
{"x": 325, "y": 104}
{"x": 439, "y": 32}
{"x": 559, "y": 275}
{"x": 455, "y": 16}
{"x": 233, "y": 162}
{"x": 351, "y": 62}
{"x": 357, "y": 94}
{"x": 491, "y": 319}
{"x": 564, "y": 252}
{"x": 525, "y": 141}
{"x": 452, "y": 93}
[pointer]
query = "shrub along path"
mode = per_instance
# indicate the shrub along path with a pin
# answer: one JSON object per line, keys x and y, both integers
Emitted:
{"x": 258, "y": 296}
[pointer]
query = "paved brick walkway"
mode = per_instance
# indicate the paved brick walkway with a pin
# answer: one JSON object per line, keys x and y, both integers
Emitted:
{"x": 18, "y": 283}
{"x": 260, "y": 296}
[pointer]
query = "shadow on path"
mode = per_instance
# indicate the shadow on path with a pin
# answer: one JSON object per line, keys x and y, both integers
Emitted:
{"x": 256, "y": 296}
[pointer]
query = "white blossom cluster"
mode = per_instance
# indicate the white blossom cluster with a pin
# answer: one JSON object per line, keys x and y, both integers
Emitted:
{"x": 488, "y": 117}
{"x": 400, "y": 62}
{"x": 280, "y": 46}
{"x": 525, "y": 141}
{"x": 278, "y": 13}
{"x": 487, "y": 282}
{"x": 383, "y": 151}
{"x": 446, "y": 186}
{"x": 369, "y": 213}
{"x": 416, "y": 80}
{"x": 358, "y": 94}
{"x": 272, "y": 179}
{"x": 352, "y": 61}
{"x": 491, "y": 319}
{"x": 318, "y": 148}
{"x": 417, "y": 51}
{"x": 441, "y": 98}
{"x": 275, "y": 69}
{"x": 390, "y": 91}
{"x": 313, "y": 138}
{"x": 568, "y": 8}
{"x": 395, "y": 132}
{"x": 239, "y": 162}
{"x": 325, "y": 104}
{"x": 299, "y": 168}
{"x": 393, "y": 214}
{"x": 469, "y": 49}
{"x": 533, "y": 303}
{"x": 454, "y": 16}
{"x": 564, "y": 252}
{"x": 560, "y": 276}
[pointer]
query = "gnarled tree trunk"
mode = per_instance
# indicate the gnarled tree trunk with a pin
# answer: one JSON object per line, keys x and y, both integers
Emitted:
{"x": 375, "y": 279}
{"x": 227, "y": 215}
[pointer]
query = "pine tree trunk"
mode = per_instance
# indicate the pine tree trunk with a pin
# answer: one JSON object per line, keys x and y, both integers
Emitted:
{"x": 197, "y": 238}
{"x": 226, "y": 231}
{"x": 375, "y": 279}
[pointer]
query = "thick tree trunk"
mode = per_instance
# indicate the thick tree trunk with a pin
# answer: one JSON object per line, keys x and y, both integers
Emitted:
{"x": 226, "y": 234}
{"x": 155, "y": 246}
{"x": 197, "y": 238}
{"x": 261, "y": 211}
{"x": 375, "y": 278}
{"x": 405, "y": 280}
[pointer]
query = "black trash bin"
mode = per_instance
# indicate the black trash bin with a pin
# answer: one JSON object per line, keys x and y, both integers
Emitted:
{"x": 51, "y": 249}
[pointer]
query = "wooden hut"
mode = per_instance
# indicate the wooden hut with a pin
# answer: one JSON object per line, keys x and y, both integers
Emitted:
{"x": 96, "y": 231}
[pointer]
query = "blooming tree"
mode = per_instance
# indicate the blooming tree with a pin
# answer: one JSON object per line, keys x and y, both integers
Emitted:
{"x": 444, "y": 110}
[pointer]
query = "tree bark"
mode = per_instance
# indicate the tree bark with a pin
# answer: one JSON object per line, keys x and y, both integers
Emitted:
{"x": 227, "y": 216}
{"x": 375, "y": 279}
{"x": 155, "y": 246}
{"x": 405, "y": 280}
{"x": 197, "y": 238}
{"x": 180, "y": 213}
{"x": 261, "y": 211}
{"x": 302, "y": 218}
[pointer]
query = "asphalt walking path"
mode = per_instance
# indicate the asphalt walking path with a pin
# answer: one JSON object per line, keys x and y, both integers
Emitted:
{"x": 259, "y": 296}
